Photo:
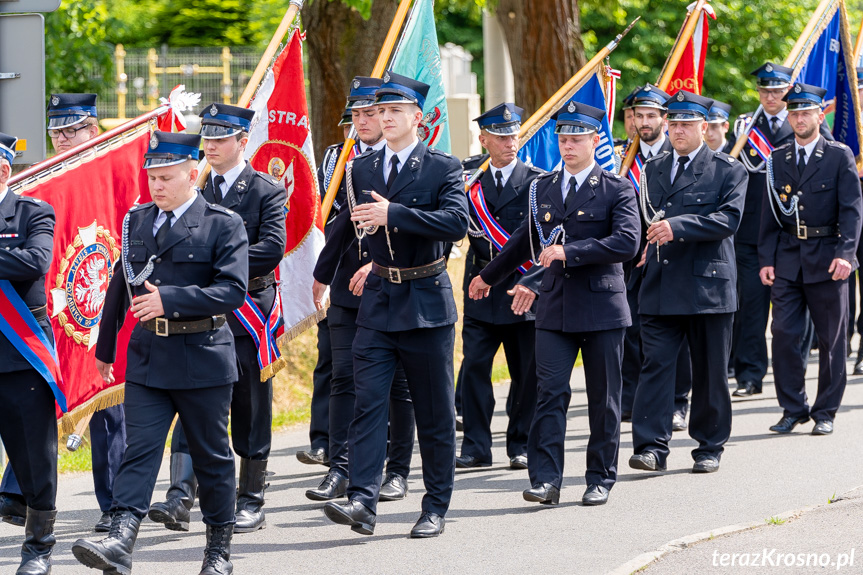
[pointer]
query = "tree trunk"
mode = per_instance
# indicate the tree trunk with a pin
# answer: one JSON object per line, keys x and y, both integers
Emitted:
{"x": 341, "y": 45}
{"x": 544, "y": 38}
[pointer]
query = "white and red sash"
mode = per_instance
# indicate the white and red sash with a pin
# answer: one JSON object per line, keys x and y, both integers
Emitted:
{"x": 493, "y": 230}
{"x": 760, "y": 143}
{"x": 635, "y": 172}
{"x": 263, "y": 330}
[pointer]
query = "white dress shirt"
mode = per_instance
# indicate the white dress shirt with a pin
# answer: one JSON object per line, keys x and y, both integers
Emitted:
{"x": 690, "y": 157}
{"x": 650, "y": 151}
{"x": 403, "y": 157}
{"x": 579, "y": 179}
{"x": 178, "y": 213}
{"x": 505, "y": 172}
{"x": 808, "y": 149}
{"x": 230, "y": 177}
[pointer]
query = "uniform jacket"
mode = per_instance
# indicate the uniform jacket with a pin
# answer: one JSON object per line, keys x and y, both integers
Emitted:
{"x": 353, "y": 259}
{"x": 201, "y": 270}
{"x": 828, "y": 195}
{"x": 24, "y": 261}
{"x": 260, "y": 202}
{"x": 696, "y": 273}
{"x": 508, "y": 210}
{"x": 428, "y": 208}
{"x": 747, "y": 233}
{"x": 602, "y": 231}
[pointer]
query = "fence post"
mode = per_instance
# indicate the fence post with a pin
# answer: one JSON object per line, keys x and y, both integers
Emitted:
{"x": 122, "y": 86}
{"x": 226, "y": 74}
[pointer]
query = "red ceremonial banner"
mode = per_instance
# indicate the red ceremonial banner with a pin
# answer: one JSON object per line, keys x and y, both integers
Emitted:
{"x": 689, "y": 74}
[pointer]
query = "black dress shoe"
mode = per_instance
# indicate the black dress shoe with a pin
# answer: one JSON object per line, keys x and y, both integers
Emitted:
{"x": 678, "y": 421}
{"x": 646, "y": 462}
{"x": 595, "y": 495}
{"x": 353, "y": 513}
{"x": 544, "y": 493}
{"x": 104, "y": 523}
{"x": 823, "y": 427}
{"x": 13, "y": 510}
{"x": 428, "y": 525}
{"x": 787, "y": 424}
{"x": 313, "y": 457}
{"x": 333, "y": 486}
{"x": 518, "y": 461}
{"x": 706, "y": 464}
{"x": 394, "y": 488}
{"x": 746, "y": 388}
{"x": 469, "y": 461}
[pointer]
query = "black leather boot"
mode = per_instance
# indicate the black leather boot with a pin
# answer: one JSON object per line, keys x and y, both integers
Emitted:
{"x": 174, "y": 511}
{"x": 13, "y": 510}
{"x": 217, "y": 554}
{"x": 250, "y": 496}
{"x": 39, "y": 542}
{"x": 113, "y": 553}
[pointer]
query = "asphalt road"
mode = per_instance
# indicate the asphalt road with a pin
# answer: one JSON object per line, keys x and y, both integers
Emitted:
{"x": 490, "y": 528}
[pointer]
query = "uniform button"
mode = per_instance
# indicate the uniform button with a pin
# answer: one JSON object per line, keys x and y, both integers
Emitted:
{"x": 566, "y": 276}
{"x": 158, "y": 282}
{"x": 591, "y": 216}
{"x": 7, "y": 248}
{"x": 609, "y": 286}
{"x": 577, "y": 259}
{"x": 395, "y": 230}
{"x": 713, "y": 272}
{"x": 437, "y": 283}
{"x": 191, "y": 256}
{"x": 801, "y": 208}
{"x": 680, "y": 239}
{"x": 158, "y": 260}
{"x": 365, "y": 254}
{"x": 565, "y": 219}
{"x": 698, "y": 200}
{"x": 800, "y": 192}
{"x": 414, "y": 200}
{"x": 211, "y": 338}
{"x": 176, "y": 314}
{"x": 521, "y": 213}
{"x": 245, "y": 223}
{"x": 668, "y": 205}
{"x": 498, "y": 219}
{"x": 665, "y": 262}
{"x": 802, "y": 222}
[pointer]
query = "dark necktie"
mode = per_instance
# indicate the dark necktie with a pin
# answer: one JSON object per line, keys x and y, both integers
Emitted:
{"x": 163, "y": 230}
{"x": 217, "y": 188}
{"x": 649, "y": 155}
{"x": 774, "y": 124}
{"x": 681, "y": 165}
{"x": 498, "y": 180}
{"x": 570, "y": 194}
{"x": 801, "y": 162}
{"x": 394, "y": 171}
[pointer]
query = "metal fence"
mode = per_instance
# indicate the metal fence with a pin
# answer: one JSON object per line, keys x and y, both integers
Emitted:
{"x": 141, "y": 76}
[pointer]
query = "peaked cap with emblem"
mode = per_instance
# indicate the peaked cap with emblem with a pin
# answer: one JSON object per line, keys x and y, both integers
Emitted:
{"x": 362, "y": 93}
{"x": 804, "y": 97}
{"x": 70, "y": 109}
{"x": 687, "y": 107}
{"x": 502, "y": 120}
{"x": 401, "y": 89}
{"x": 648, "y": 96}
{"x": 223, "y": 120}
{"x": 772, "y": 75}
{"x": 719, "y": 112}
{"x": 7, "y": 147}
{"x": 168, "y": 149}
{"x": 578, "y": 118}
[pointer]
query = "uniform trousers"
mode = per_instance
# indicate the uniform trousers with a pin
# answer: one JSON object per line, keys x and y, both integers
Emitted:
{"x": 556, "y": 352}
{"x": 28, "y": 429}
{"x": 709, "y": 337}
{"x": 343, "y": 328}
{"x": 204, "y": 414}
{"x": 108, "y": 442}
{"x": 426, "y": 355}
{"x": 827, "y": 303}
{"x": 750, "y": 321}
{"x": 251, "y": 408}
{"x": 481, "y": 342}
{"x": 319, "y": 432}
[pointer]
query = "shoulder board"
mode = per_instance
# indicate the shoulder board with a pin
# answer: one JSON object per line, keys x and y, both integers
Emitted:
{"x": 140, "y": 206}
{"x": 267, "y": 178}
{"x": 536, "y": 170}
{"x": 658, "y": 156}
{"x": 835, "y": 144}
{"x": 547, "y": 174}
{"x": 472, "y": 158}
{"x": 783, "y": 146}
{"x": 30, "y": 199}
{"x": 612, "y": 175}
{"x": 367, "y": 153}
{"x": 439, "y": 152}
{"x": 219, "y": 208}
{"x": 726, "y": 157}
{"x": 335, "y": 146}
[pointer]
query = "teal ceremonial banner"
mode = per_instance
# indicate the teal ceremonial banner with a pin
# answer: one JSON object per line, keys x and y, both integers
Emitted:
{"x": 418, "y": 56}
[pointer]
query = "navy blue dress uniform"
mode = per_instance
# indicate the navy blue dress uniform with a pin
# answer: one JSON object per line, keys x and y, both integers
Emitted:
{"x": 581, "y": 307}
{"x": 490, "y": 322}
{"x": 28, "y": 422}
{"x": 749, "y": 339}
{"x": 342, "y": 328}
{"x": 182, "y": 363}
{"x": 647, "y": 96}
{"x": 407, "y": 313}
{"x": 811, "y": 216}
{"x": 688, "y": 291}
{"x": 259, "y": 200}
{"x": 107, "y": 426}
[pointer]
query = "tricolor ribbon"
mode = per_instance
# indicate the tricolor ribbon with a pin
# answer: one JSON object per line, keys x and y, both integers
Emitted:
{"x": 493, "y": 231}
{"x": 635, "y": 173}
{"x": 20, "y": 327}
{"x": 263, "y": 330}
{"x": 760, "y": 143}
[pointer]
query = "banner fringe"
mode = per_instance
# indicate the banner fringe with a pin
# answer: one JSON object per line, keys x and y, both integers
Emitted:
{"x": 303, "y": 325}
{"x": 110, "y": 397}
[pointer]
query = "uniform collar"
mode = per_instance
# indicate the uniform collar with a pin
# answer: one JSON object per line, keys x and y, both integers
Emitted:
{"x": 403, "y": 156}
{"x": 505, "y": 171}
{"x": 365, "y": 147}
{"x": 655, "y": 148}
{"x": 721, "y": 146}
{"x": 782, "y": 115}
{"x": 691, "y": 155}
{"x": 178, "y": 213}
{"x": 579, "y": 177}
{"x": 231, "y": 175}
{"x": 809, "y": 148}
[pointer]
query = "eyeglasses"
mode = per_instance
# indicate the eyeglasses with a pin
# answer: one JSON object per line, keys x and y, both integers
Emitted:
{"x": 69, "y": 133}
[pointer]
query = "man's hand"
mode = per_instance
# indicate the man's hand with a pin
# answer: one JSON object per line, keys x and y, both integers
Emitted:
{"x": 478, "y": 289}
{"x": 372, "y": 214}
{"x": 767, "y": 275}
{"x": 359, "y": 279}
{"x": 550, "y": 254}
{"x": 148, "y": 306}
{"x": 660, "y": 233}
{"x": 522, "y": 299}
{"x": 106, "y": 370}
{"x": 643, "y": 259}
{"x": 840, "y": 269}
{"x": 318, "y": 291}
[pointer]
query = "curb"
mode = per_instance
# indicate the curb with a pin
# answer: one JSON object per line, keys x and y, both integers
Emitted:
{"x": 649, "y": 557}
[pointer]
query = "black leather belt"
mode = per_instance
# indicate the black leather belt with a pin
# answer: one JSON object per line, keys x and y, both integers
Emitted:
{"x": 164, "y": 327}
{"x": 399, "y": 275}
{"x": 480, "y": 263}
{"x": 262, "y": 282}
{"x": 39, "y": 312}
{"x": 810, "y": 232}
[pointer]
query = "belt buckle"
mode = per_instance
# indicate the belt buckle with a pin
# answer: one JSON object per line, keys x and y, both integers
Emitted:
{"x": 161, "y": 327}
{"x": 802, "y": 233}
{"x": 395, "y": 275}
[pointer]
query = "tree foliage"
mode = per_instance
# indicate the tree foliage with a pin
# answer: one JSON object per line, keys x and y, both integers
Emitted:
{"x": 76, "y": 43}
